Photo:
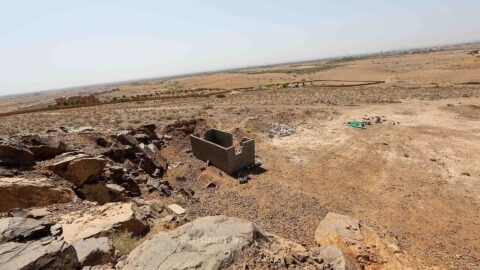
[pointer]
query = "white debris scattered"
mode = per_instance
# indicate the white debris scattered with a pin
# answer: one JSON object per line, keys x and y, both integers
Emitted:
{"x": 282, "y": 130}
{"x": 177, "y": 209}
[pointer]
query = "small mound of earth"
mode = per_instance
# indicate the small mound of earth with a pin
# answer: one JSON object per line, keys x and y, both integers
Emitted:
{"x": 471, "y": 112}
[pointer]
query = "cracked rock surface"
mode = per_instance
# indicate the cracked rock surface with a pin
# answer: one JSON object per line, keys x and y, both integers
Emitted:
{"x": 206, "y": 243}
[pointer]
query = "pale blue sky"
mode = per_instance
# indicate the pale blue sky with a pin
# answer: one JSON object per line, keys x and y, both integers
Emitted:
{"x": 50, "y": 44}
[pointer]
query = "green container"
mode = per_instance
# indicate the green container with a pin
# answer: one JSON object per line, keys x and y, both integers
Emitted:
{"x": 356, "y": 124}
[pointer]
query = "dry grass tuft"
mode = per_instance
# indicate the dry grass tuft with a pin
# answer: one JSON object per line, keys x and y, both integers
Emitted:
{"x": 124, "y": 242}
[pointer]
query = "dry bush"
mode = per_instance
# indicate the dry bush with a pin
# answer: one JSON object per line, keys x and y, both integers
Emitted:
{"x": 124, "y": 242}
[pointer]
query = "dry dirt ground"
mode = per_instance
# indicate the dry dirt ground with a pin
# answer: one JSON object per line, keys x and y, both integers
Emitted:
{"x": 414, "y": 177}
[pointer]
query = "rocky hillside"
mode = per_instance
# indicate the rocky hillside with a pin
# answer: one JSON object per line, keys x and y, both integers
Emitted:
{"x": 129, "y": 199}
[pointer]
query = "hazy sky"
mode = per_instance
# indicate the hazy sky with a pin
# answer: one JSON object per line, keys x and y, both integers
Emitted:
{"x": 50, "y": 44}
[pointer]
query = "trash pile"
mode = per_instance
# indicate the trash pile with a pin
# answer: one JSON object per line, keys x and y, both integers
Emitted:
{"x": 281, "y": 130}
{"x": 374, "y": 119}
{"x": 356, "y": 124}
{"x": 367, "y": 121}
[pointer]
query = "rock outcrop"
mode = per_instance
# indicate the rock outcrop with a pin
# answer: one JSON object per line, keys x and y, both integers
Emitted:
{"x": 335, "y": 259}
{"x": 83, "y": 170}
{"x": 22, "y": 229}
{"x": 206, "y": 243}
{"x": 153, "y": 159}
{"x": 94, "y": 251}
{"x": 44, "y": 146}
{"x": 102, "y": 193}
{"x": 60, "y": 167}
{"x": 102, "y": 220}
{"x": 79, "y": 169}
{"x": 25, "y": 193}
{"x": 360, "y": 243}
{"x": 49, "y": 254}
{"x": 15, "y": 155}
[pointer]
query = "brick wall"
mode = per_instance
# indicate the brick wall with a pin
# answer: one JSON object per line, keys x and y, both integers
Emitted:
{"x": 218, "y": 149}
{"x": 245, "y": 158}
{"x": 219, "y": 137}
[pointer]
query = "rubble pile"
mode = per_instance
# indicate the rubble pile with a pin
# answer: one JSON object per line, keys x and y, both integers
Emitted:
{"x": 281, "y": 130}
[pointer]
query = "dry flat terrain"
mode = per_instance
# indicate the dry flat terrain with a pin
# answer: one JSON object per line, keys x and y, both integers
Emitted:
{"x": 413, "y": 174}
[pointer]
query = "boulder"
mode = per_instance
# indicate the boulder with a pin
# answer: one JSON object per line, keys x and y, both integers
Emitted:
{"x": 120, "y": 176}
{"x": 52, "y": 255}
{"x": 79, "y": 169}
{"x": 100, "y": 141}
{"x": 126, "y": 138}
{"x": 102, "y": 220}
{"x": 102, "y": 193}
{"x": 163, "y": 186}
{"x": 60, "y": 167}
{"x": 338, "y": 226}
{"x": 334, "y": 257}
{"x": 153, "y": 159}
{"x": 84, "y": 170}
{"x": 94, "y": 251}
{"x": 142, "y": 138}
{"x": 147, "y": 209}
{"x": 22, "y": 229}
{"x": 359, "y": 243}
{"x": 148, "y": 130}
{"x": 24, "y": 193}
{"x": 44, "y": 146}
{"x": 15, "y": 155}
{"x": 207, "y": 243}
{"x": 120, "y": 153}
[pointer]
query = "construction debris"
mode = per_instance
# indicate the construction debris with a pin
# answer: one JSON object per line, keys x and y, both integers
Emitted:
{"x": 282, "y": 130}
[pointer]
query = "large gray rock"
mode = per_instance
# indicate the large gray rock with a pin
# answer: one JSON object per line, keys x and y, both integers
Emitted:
{"x": 25, "y": 193}
{"x": 207, "y": 243}
{"x": 44, "y": 146}
{"x": 15, "y": 155}
{"x": 53, "y": 255}
{"x": 94, "y": 251}
{"x": 21, "y": 229}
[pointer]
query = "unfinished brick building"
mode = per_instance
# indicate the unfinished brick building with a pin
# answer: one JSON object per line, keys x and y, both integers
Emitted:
{"x": 217, "y": 147}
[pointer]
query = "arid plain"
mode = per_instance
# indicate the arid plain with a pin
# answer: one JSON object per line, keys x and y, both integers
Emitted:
{"x": 413, "y": 173}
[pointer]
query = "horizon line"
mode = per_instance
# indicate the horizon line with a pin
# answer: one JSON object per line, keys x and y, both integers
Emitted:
{"x": 206, "y": 72}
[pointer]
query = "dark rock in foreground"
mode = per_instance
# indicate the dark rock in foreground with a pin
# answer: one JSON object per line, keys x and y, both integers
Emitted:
{"x": 15, "y": 155}
{"x": 21, "y": 229}
{"x": 49, "y": 254}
